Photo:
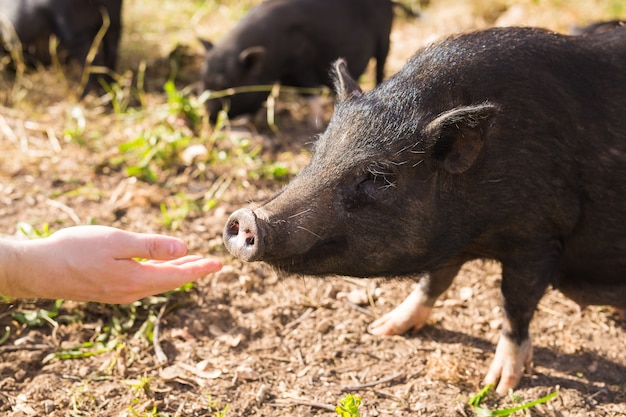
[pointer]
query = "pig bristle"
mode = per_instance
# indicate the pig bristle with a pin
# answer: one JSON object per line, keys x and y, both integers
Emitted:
{"x": 382, "y": 170}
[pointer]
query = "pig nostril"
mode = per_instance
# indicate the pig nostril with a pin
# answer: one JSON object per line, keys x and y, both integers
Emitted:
{"x": 233, "y": 228}
{"x": 250, "y": 241}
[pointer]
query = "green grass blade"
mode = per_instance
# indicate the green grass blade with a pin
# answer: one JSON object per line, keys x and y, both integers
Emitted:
{"x": 476, "y": 400}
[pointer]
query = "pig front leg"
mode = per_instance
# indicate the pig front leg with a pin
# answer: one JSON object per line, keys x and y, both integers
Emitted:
{"x": 414, "y": 311}
{"x": 521, "y": 291}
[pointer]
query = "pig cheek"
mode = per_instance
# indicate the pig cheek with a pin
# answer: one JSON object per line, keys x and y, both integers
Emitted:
{"x": 345, "y": 203}
{"x": 355, "y": 224}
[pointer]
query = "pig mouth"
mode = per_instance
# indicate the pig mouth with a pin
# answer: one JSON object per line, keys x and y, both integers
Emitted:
{"x": 323, "y": 258}
{"x": 336, "y": 257}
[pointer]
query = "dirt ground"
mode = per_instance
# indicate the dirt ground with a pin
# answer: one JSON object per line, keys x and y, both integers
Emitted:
{"x": 244, "y": 342}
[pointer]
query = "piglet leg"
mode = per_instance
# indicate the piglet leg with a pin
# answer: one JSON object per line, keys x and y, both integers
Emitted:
{"x": 414, "y": 311}
{"x": 524, "y": 281}
{"x": 510, "y": 361}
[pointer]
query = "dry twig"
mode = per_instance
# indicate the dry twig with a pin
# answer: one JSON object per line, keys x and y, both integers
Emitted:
{"x": 161, "y": 357}
{"x": 373, "y": 383}
{"x": 315, "y": 404}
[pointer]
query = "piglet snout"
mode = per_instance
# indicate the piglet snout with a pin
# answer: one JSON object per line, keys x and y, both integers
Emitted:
{"x": 241, "y": 235}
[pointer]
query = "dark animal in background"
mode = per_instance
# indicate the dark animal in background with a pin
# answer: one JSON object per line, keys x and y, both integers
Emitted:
{"x": 505, "y": 144}
{"x": 294, "y": 42}
{"x": 599, "y": 27}
{"x": 74, "y": 22}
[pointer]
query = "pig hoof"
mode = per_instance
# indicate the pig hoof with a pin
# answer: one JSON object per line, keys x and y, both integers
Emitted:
{"x": 385, "y": 326}
{"x": 508, "y": 364}
{"x": 400, "y": 320}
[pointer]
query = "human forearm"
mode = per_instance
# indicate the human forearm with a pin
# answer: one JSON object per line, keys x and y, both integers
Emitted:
{"x": 13, "y": 270}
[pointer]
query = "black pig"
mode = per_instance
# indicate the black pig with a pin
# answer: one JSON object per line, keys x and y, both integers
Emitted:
{"x": 505, "y": 144}
{"x": 599, "y": 27}
{"x": 74, "y": 22}
{"x": 294, "y": 42}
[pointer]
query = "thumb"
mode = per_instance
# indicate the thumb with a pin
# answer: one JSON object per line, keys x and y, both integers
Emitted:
{"x": 154, "y": 246}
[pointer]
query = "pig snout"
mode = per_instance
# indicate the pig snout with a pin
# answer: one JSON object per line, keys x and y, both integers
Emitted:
{"x": 242, "y": 235}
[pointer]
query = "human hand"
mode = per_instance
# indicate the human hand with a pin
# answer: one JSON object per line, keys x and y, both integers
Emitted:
{"x": 95, "y": 263}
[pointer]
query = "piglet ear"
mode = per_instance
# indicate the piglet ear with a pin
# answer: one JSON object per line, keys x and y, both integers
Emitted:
{"x": 252, "y": 58}
{"x": 345, "y": 86}
{"x": 457, "y": 135}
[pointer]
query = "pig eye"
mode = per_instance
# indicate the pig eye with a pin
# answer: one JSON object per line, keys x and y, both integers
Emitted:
{"x": 382, "y": 175}
{"x": 378, "y": 178}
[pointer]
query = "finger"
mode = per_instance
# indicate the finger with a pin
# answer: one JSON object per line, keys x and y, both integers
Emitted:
{"x": 150, "y": 246}
{"x": 193, "y": 268}
{"x": 155, "y": 278}
{"x": 177, "y": 261}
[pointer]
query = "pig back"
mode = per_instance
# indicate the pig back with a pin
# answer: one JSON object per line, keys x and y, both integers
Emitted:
{"x": 301, "y": 35}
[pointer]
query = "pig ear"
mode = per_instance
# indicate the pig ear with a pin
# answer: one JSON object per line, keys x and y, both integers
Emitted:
{"x": 252, "y": 58}
{"x": 345, "y": 86}
{"x": 457, "y": 135}
{"x": 208, "y": 45}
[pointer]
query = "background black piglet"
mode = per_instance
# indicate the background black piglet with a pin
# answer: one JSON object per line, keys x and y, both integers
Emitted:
{"x": 598, "y": 27}
{"x": 294, "y": 42}
{"x": 74, "y": 22}
{"x": 507, "y": 144}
